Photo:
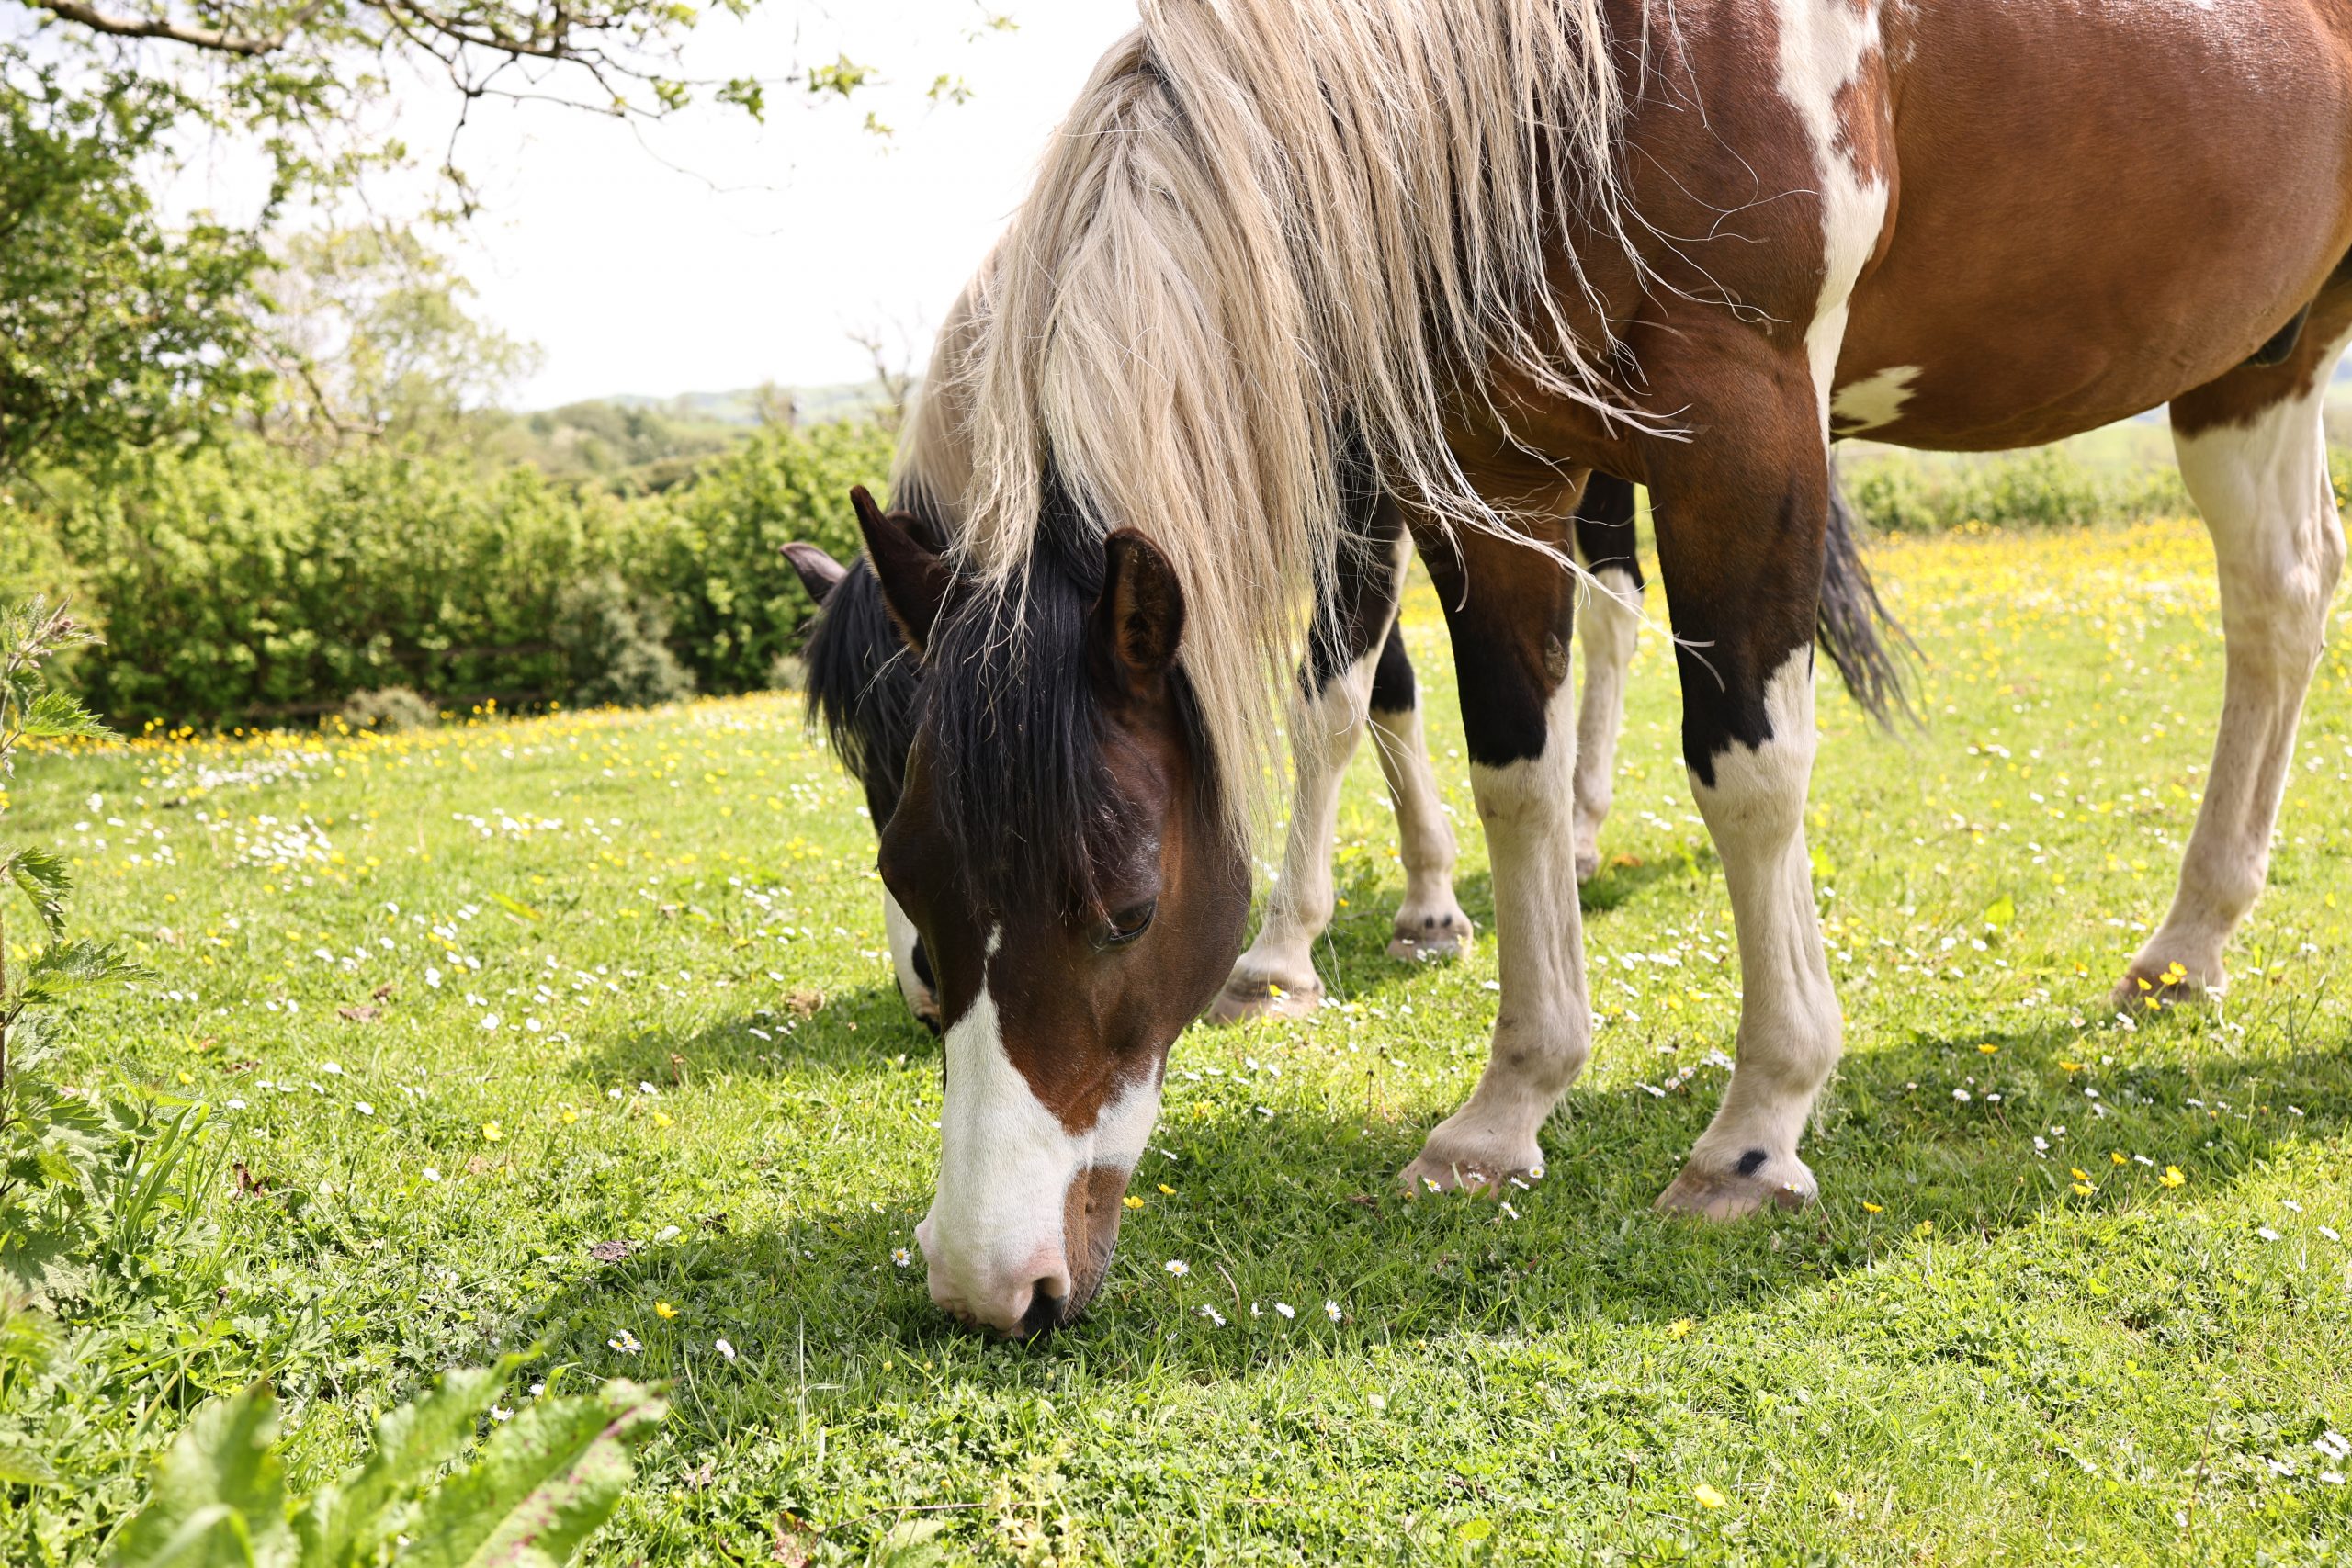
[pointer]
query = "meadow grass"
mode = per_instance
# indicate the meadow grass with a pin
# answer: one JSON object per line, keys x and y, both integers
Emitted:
{"x": 578, "y": 1031}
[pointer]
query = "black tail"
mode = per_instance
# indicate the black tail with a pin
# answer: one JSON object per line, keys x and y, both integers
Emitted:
{"x": 1872, "y": 652}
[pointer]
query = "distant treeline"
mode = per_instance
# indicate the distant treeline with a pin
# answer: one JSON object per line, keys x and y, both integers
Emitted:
{"x": 236, "y": 581}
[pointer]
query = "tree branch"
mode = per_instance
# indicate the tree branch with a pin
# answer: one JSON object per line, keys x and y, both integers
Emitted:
{"x": 160, "y": 27}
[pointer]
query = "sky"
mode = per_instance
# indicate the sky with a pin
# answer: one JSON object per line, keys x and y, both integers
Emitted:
{"x": 612, "y": 249}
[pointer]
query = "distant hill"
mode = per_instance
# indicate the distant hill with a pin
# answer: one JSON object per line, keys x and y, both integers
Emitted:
{"x": 815, "y": 405}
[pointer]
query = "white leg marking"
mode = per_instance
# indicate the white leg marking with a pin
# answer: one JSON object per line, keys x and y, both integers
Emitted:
{"x": 1429, "y": 924}
{"x": 1609, "y": 625}
{"x": 1543, "y": 1024}
{"x": 2279, "y": 543}
{"x": 1873, "y": 401}
{"x": 1789, "y": 1026}
{"x": 993, "y": 1237}
{"x": 901, "y": 933}
{"x": 1277, "y": 975}
{"x": 1824, "y": 44}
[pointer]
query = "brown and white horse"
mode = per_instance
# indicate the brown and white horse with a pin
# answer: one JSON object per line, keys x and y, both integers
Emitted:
{"x": 1504, "y": 242}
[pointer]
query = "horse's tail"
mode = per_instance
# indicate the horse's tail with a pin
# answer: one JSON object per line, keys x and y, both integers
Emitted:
{"x": 1873, "y": 653}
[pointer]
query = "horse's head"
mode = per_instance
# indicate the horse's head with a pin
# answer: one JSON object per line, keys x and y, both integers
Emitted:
{"x": 861, "y": 685}
{"x": 1060, "y": 846}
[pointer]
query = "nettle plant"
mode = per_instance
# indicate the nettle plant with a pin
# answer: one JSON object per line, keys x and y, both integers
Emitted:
{"x": 62, "y": 1157}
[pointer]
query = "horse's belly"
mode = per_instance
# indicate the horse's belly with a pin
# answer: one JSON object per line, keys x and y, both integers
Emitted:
{"x": 2114, "y": 204}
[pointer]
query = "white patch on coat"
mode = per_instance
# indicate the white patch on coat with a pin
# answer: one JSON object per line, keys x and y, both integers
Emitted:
{"x": 2278, "y": 543}
{"x": 1790, "y": 1030}
{"x": 1873, "y": 401}
{"x": 994, "y": 1234}
{"x": 902, "y": 936}
{"x": 1825, "y": 46}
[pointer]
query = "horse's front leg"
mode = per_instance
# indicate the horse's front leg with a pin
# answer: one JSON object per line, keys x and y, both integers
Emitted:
{"x": 1511, "y": 612}
{"x": 1742, "y": 513}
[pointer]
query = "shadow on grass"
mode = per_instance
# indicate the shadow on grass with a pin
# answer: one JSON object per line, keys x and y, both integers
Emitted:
{"x": 1301, "y": 1208}
{"x": 845, "y": 1033}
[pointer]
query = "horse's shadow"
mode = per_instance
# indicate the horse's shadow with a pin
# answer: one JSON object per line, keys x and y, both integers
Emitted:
{"x": 829, "y": 1308}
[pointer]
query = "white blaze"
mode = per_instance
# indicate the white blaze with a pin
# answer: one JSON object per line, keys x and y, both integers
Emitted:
{"x": 1005, "y": 1165}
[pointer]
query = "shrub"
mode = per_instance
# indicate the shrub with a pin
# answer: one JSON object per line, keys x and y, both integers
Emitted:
{"x": 2045, "y": 488}
{"x": 392, "y": 708}
{"x": 616, "y": 647}
{"x": 735, "y": 604}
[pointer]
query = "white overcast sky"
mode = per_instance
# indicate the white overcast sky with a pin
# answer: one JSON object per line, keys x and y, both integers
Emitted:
{"x": 635, "y": 277}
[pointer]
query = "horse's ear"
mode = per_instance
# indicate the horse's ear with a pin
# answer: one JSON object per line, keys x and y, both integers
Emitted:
{"x": 819, "y": 573}
{"x": 1140, "y": 619}
{"x": 915, "y": 579}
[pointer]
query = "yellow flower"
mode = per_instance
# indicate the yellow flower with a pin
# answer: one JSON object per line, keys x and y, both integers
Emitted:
{"x": 2172, "y": 1175}
{"x": 1708, "y": 1496}
{"x": 2084, "y": 1189}
{"x": 569, "y": 1117}
{"x": 663, "y": 1309}
{"x": 2117, "y": 1155}
{"x": 2081, "y": 1175}
{"x": 1679, "y": 1327}
{"x": 1168, "y": 1191}
{"x": 1870, "y": 1208}
{"x": 491, "y": 1132}
{"x": 1132, "y": 1201}
{"x": 1990, "y": 1050}
{"x": 660, "y": 1119}
{"x": 2071, "y": 1066}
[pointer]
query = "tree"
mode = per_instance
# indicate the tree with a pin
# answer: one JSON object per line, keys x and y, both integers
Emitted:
{"x": 371, "y": 333}
{"x": 115, "y": 329}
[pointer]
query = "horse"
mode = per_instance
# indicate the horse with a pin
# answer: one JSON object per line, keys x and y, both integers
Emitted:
{"x": 1503, "y": 244}
{"x": 1357, "y": 678}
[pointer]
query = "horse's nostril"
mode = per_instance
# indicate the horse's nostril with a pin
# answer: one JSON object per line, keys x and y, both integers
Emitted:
{"x": 1045, "y": 1312}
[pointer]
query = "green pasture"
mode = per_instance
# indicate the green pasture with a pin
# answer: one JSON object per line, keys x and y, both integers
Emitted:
{"x": 577, "y": 1032}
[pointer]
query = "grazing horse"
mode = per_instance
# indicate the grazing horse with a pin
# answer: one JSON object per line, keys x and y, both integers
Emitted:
{"x": 1504, "y": 242}
{"x": 1358, "y": 676}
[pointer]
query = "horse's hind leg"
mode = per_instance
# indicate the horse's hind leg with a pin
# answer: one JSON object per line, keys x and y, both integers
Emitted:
{"x": 2254, "y": 453}
{"x": 1276, "y": 977}
{"x": 1606, "y": 631}
{"x": 1430, "y": 924}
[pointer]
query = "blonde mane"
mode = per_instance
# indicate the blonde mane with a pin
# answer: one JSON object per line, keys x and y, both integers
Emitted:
{"x": 1265, "y": 227}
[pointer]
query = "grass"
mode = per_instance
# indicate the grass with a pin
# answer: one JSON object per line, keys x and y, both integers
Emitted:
{"x": 578, "y": 1031}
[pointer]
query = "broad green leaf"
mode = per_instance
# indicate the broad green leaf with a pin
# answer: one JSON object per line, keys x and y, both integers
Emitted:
{"x": 22, "y": 1467}
{"x": 346, "y": 1522}
{"x": 45, "y": 879}
{"x": 545, "y": 1481}
{"x": 219, "y": 1495}
{"x": 56, "y": 716}
{"x": 69, "y": 966}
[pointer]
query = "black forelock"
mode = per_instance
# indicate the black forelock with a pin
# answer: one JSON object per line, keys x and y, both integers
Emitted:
{"x": 861, "y": 681}
{"x": 1020, "y": 780}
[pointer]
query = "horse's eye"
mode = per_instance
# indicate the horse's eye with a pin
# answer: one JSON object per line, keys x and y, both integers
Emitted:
{"x": 1128, "y": 924}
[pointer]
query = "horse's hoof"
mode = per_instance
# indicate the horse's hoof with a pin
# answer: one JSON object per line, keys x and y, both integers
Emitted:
{"x": 1243, "y": 999}
{"x": 2150, "y": 988}
{"x": 1421, "y": 937}
{"x": 1734, "y": 1194}
{"x": 1468, "y": 1169}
